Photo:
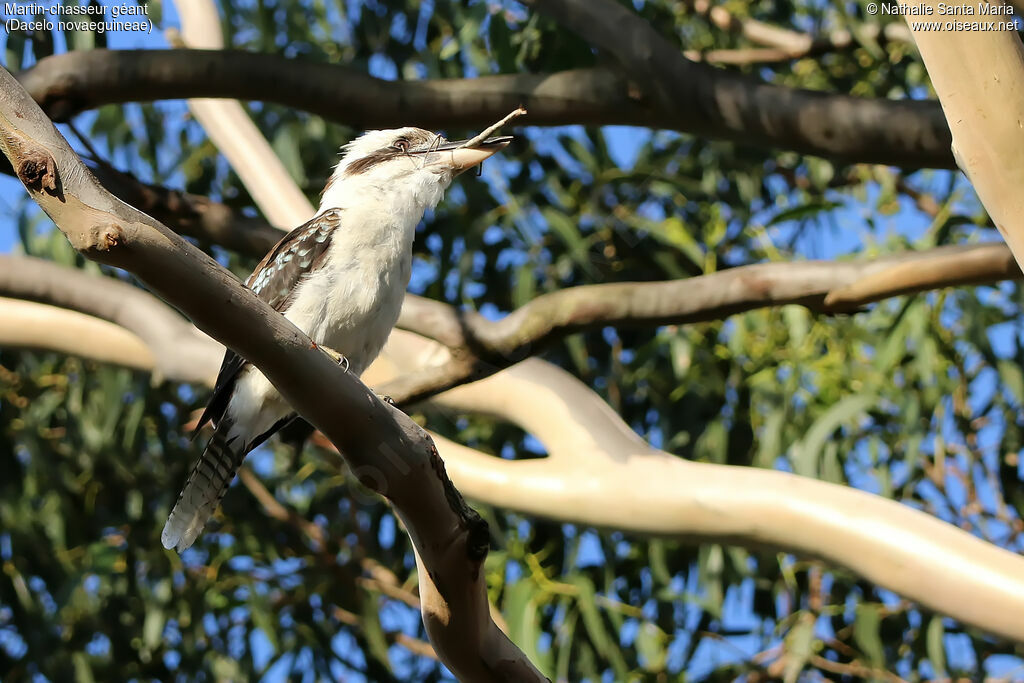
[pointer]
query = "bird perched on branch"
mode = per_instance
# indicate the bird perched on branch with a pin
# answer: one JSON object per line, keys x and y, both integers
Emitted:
{"x": 340, "y": 278}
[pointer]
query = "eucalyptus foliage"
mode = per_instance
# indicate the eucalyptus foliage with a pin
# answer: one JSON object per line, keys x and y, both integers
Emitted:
{"x": 916, "y": 398}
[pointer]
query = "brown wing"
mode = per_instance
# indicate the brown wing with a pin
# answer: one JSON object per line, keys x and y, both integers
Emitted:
{"x": 275, "y": 281}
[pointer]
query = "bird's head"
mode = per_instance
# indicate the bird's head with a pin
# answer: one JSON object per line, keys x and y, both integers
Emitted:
{"x": 410, "y": 162}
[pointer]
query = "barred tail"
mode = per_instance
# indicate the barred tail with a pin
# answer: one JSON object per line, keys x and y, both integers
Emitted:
{"x": 204, "y": 489}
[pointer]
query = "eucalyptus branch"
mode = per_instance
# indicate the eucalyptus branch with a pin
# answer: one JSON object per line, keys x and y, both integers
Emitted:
{"x": 479, "y": 347}
{"x": 704, "y": 100}
{"x": 597, "y": 467}
{"x": 386, "y": 450}
{"x": 726, "y": 104}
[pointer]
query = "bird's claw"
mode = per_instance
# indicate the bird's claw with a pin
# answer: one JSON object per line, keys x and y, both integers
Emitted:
{"x": 337, "y": 357}
{"x": 387, "y": 399}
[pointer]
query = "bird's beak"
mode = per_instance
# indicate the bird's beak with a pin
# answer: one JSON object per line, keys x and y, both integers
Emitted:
{"x": 462, "y": 158}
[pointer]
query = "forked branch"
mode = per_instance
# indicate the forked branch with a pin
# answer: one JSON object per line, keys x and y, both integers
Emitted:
{"x": 384, "y": 448}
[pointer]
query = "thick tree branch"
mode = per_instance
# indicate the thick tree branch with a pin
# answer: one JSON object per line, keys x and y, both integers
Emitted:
{"x": 726, "y": 104}
{"x": 189, "y": 214}
{"x": 160, "y": 328}
{"x": 600, "y": 473}
{"x": 979, "y": 79}
{"x": 478, "y": 346}
{"x": 386, "y": 450}
{"x": 236, "y": 136}
{"x": 704, "y": 100}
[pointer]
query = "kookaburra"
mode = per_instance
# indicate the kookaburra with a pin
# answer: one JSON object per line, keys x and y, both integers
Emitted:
{"x": 340, "y": 278}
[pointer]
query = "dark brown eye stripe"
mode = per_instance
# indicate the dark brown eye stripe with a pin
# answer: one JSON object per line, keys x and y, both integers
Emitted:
{"x": 400, "y": 147}
{"x": 366, "y": 163}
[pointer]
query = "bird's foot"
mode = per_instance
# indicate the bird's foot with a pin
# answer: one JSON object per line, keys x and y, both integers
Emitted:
{"x": 387, "y": 399}
{"x": 337, "y": 357}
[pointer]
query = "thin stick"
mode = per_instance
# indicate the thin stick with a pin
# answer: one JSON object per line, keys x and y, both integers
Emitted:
{"x": 490, "y": 129}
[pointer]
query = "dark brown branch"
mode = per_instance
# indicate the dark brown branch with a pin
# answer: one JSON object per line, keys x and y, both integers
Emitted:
{"x": 689, "y": 97}
{"x": 188, "y": 214}
{"x": 726, "y": 104}
{"x": 386, "y": 450}
{"x": 193, "y": 215}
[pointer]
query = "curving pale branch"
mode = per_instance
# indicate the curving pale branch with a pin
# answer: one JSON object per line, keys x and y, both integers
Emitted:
{"x": 161, "y": 329}
{"x": 387, "y": 451}
{"x": 598, "y": 472}
{"x": 29, "y": 325}
{"x": 711, "y": 101}
{"x": 227, "y": 123}
{"x": 983, "y": 99}
{"x": 960, "y": 575}
{"x": 479, "y": 346}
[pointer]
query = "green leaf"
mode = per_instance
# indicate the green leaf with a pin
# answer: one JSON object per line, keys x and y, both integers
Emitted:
{"x": 710, "y": 562}
{"x": 286, "y": 147}
{"x": 523, "y": 619}
{"x": 651, "y": 646}
{"x": 587, "y": 604}
{"x": 569, "y": 233}
{"x": 769, "y": 446}
{"x": 806, "y": 453}
{"x": 866, "y": 627}
{"x": 799, "y": 646}
{"x": 1012, "y": 377}
{"x": 83, "y": 671}
{"x": 936, "y": 647}
{"x": 153, "y": 627}
{"x": 803, "y": 212}
{"x": 798, "y": 321}
{"x": 524, "y": 288}
{"x": 374, "y": 632}
{"x": 564, "y": 640}
{"x": 657, "y": 561}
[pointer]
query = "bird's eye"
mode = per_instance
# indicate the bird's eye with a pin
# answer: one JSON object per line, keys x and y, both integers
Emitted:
{"x": 401, "y": 144}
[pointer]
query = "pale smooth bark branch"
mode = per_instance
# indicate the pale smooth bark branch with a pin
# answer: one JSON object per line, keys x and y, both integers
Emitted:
{"x": 236, "y": 136}
{"x": 715, "y": 102}
{"x": 600, "y": 473}
{"x": 477, "y": 347}
{"x": 725, "y": 104}
{"x": 29, "y": 325}
{"x": 387, "y": 451}
{"x": 480, "y": 346}
{"x": 979, "y": 79}
{"x": 160, "y": 328}
{"x": 601, "y": 481}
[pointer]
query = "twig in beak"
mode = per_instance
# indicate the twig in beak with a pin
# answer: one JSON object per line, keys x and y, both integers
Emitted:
{"x": 476, "y": 140}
